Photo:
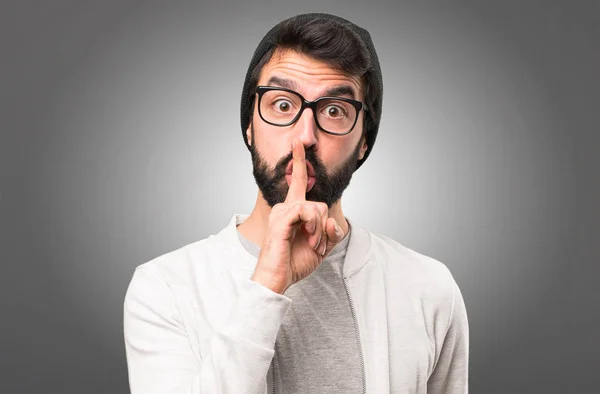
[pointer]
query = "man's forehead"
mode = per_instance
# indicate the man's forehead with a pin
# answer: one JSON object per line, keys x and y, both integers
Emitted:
{"x": 306, "y": 73}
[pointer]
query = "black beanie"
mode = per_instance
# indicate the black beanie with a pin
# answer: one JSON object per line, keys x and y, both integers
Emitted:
{"x": 361, "y": 34}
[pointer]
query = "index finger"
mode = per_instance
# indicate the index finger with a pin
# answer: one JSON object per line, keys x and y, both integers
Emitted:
{"x": 297, "y": 190}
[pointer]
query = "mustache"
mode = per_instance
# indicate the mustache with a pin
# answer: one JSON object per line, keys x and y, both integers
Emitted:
{"x": 310, "y": 156}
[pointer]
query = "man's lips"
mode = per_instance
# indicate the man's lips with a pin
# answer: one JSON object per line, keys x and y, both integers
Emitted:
{"x": 310, "y": 171}
{"x": 310, "y": 181}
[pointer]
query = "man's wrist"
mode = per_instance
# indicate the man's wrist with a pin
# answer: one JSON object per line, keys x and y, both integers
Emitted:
{"x": 269, "y": 282}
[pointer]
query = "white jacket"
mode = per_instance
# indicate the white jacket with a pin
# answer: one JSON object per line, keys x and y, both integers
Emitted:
{"x": 195, "y": 323}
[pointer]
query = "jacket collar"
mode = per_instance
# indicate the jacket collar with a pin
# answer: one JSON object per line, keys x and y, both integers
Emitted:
{"x": 360, "y": 251}
{"x": 359, "y": 247}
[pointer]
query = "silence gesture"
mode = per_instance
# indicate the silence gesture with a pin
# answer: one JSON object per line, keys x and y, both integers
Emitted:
{"x": 299, "y": 234}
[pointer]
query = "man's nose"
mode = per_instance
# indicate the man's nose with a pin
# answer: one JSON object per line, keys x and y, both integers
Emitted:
{"x": 306, "y": 128}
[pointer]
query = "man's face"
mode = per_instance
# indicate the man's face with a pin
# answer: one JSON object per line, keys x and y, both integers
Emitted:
{"x": 331, "y": 159}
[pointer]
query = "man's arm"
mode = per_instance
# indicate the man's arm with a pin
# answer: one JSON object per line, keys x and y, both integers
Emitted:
{"x": 451, "y": 373}
{"x": 159, "y": 353}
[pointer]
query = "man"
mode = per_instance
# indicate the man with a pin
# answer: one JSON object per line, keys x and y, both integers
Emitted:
{"x": 296, "y": 297}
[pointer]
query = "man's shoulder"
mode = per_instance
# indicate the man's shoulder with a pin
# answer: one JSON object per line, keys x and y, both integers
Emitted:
{"x": 183, "y": 255}
{"x": 402, "y": 264}
{"x": 201, "y": 258}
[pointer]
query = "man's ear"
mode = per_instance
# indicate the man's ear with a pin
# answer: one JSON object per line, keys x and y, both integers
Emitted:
{"x": 249, "y": 134}
{"x": 363, "y": 147}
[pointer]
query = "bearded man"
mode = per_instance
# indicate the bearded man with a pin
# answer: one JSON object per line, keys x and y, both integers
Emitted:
{"x": 296, "y": 297}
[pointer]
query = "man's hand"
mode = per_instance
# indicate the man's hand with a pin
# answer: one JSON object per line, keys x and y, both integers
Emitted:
{"x": 299, "y": 234}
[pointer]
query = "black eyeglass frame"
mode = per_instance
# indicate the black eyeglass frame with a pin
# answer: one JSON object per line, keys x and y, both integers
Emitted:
{"x": 261, "y": 90}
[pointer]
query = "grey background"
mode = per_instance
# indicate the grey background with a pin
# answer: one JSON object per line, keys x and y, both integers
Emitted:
{"x": 120, "y": 142}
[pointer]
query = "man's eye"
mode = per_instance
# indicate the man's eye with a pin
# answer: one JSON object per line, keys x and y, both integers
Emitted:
{"x": 334, "y": 111}
{"x": 283, "y": 106}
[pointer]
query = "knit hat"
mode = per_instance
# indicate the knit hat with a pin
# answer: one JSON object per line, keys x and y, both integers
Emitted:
{"x": 359, "y": 33}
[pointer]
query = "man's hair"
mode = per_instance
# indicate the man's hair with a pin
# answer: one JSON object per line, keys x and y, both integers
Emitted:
{"x": 337, "y": 42}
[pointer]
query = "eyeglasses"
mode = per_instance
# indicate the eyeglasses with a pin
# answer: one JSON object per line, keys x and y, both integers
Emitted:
{"x": 283, "y": 107}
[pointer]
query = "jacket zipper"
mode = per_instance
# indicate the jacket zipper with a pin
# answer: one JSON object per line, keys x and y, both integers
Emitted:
{"x": 273, "y": 375}
{"x": 362, "y": 362}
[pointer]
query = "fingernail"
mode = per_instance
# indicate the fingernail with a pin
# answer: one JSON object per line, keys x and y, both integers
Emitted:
{"x": 338, "y": 229}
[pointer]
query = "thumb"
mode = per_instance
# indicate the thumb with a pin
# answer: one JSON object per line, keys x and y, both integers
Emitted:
{"x": 334, "y": 234}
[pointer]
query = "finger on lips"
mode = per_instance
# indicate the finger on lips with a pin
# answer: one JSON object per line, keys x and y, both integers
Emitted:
{"x": 323, "y": 236}
{"x": 297, "y": 190}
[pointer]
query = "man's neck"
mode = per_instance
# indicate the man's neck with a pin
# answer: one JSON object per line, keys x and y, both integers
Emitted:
{"x": 254, "y": 227}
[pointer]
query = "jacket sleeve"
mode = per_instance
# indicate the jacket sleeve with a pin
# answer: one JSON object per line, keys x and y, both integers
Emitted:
{"x": 159, "y": 353}
{"x": 451, "y": 373}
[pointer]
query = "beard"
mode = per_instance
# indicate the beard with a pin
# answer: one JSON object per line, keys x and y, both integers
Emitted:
{"x": 327, "y": 188}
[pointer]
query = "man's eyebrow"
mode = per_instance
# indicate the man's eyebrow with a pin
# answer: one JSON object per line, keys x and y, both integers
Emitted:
{"x": 342, "y": 90}
{"x": 284, "y": 83}
{"x": 335, "y": 91}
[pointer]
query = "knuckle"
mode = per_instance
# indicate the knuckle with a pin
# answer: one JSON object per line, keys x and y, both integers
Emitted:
{"x": 297, "y": 209}
{"x": 323, "y": 208}
{"x": 314, "y": 209}
{"x": 276, "y": 211}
